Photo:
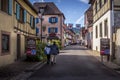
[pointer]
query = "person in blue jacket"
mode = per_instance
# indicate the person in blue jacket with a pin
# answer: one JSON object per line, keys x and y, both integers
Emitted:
{"x": 54, "y": 52}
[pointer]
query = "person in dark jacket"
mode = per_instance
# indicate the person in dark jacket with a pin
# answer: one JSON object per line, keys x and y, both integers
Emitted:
{"x": 54, "y": 52}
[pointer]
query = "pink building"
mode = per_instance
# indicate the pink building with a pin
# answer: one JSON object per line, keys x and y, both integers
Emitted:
{"x": 52, "y": 23}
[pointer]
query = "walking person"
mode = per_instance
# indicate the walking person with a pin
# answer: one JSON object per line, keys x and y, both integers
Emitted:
{"x": 54, "y": 53}
{"x": 47, "y": 51}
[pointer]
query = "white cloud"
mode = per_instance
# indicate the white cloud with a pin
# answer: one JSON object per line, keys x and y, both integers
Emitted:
{"x": 84, "y": 1}
{"x": 78, "y": 21}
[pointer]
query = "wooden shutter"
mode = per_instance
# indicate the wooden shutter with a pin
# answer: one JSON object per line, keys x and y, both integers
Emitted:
{"x": 0, "y": 5}
{"x": 17, "y": 11}
{"x": 34, "y": 22}
{"x": 10, "y": 7}
{"x": 25, "y": 16}
{"x": 48, "y": 30}
{"x": 56, "y": 30}
{"x": 56, "y": 20}
{"x": 31, "y": 21}
{"x": 50, "y": 20}
{"x": 37, "y": 20}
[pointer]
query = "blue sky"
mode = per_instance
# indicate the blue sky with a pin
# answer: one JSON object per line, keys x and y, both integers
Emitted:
{"x": 72, "y": 9}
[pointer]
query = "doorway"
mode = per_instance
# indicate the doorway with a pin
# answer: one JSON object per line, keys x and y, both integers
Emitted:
{"x": 18, "y": 46}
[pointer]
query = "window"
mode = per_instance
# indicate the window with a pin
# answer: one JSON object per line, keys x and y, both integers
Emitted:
{"x": 5, "y": 43}
{"x": 21, "y": 14}
{"x": 96, "y": 7}
{"x": 106, "y": 28}
{"x": 53, "y": 19}
{"x": 52, "y": 30}
{"x": 105, "y": 1}
{"x": 100, "y": 29}
{"x": 96, "y": 32}
{"x": 32, "y": 22}
{"x": 4, "y": 5}
{"x": 100, "y": 3}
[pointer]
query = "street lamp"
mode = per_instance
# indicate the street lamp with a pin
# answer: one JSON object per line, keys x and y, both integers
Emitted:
{"x": 41, "y": 11}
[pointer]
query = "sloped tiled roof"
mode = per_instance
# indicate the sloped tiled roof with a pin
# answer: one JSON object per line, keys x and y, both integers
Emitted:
{"x": 50, "y": 8}
{"x": 29, "y": 4}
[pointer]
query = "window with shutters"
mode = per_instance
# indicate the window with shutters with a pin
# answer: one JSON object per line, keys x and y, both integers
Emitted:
{"x": 4, "y": 5}
{"x": 53, "y": 30}
{"x": 53, "y": 19}
{"x": 32, "y": 22}
{"x": 5, "y": 40}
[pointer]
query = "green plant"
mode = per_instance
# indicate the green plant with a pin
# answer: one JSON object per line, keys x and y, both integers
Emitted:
{"x": 39, "y": 56}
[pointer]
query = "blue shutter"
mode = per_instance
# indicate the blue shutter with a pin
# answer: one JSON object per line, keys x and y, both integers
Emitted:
{"x": 25, "y": 16}
{"x": 50, "y": 20}
{"x": 56, "y": 20}
{"x": 37, "y": 30}
{"x": 37, "y": 20}
{"x": 10, "y": 7}
{"x": 56, "y": 30}
{"x": 17, "y": 11}
{"x": 48, "y": 30}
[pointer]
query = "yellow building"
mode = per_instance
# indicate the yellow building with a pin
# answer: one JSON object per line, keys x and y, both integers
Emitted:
{"x": 17, "y": 21}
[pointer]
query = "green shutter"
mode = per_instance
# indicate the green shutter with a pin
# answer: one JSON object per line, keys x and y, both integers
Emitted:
{"x": 0, "y": 4}
{"x": 17, "y": 11}
{"x": 10, "y": 7}
{"x": 31, "y": 21}
{"x": 25, "y": 16}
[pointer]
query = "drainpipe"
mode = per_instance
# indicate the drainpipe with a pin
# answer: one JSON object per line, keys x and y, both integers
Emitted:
{"x": 112, "y": 42}
{"x": 61, "y": 27}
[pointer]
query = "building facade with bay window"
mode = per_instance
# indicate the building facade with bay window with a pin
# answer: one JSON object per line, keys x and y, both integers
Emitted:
{"x": 17, "y": 22}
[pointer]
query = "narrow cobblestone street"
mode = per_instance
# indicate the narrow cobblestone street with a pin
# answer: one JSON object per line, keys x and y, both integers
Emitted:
{"x": 75, "y": 63}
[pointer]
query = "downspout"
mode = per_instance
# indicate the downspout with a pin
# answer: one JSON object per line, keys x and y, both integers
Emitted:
{"x": 112, "y": 42}
{"x": 61, "y": 28}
